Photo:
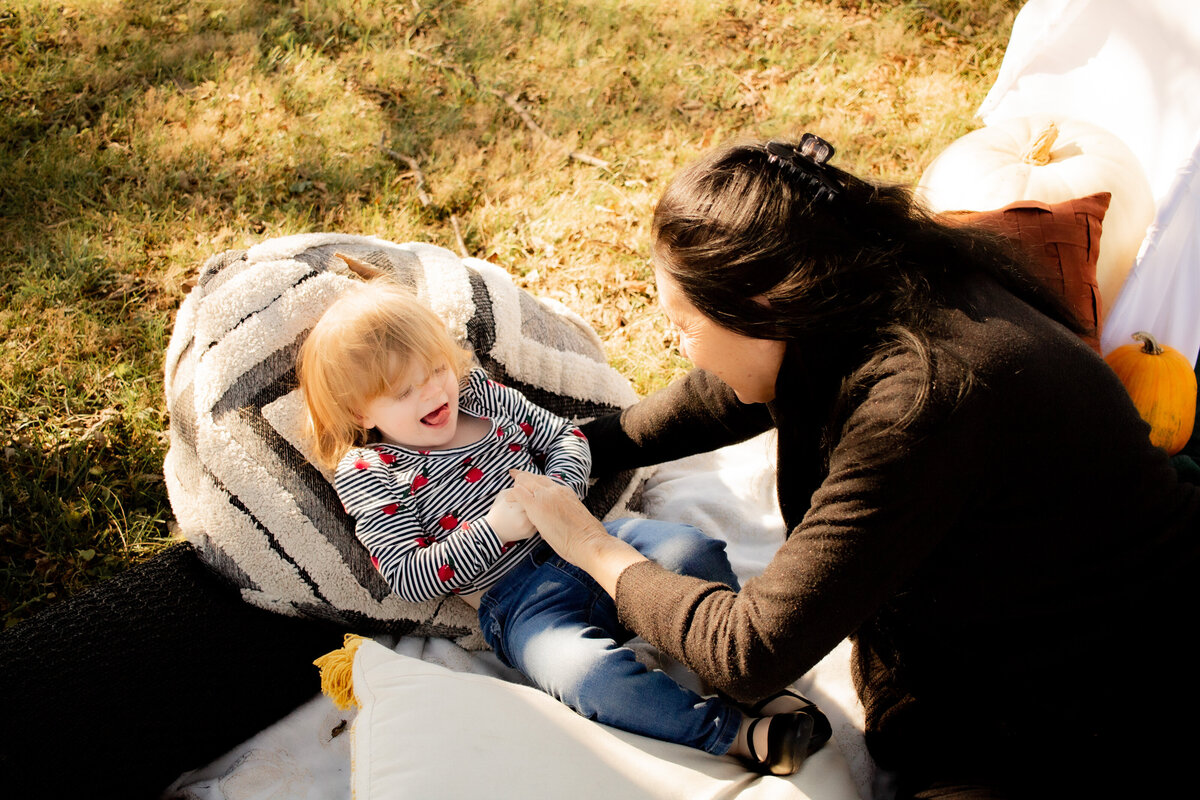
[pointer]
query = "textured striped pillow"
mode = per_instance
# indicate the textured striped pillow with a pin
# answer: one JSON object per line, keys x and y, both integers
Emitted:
{"x": 241, "y": 488}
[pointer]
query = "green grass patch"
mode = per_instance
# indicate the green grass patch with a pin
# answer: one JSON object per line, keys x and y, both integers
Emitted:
{"x": 137, "y": 138}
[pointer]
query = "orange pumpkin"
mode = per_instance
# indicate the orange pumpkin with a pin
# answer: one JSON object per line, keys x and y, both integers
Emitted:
{"x": 1163, "y": 387}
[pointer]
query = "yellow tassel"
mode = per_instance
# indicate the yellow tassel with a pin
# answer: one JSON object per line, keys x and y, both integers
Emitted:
{"x": 337, "y": 672}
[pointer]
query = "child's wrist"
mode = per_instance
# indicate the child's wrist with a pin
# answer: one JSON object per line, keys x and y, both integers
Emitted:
{"x": 497, "y": 529}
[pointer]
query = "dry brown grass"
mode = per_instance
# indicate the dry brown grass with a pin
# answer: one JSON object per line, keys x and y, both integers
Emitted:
{"x": 137, "y": 138}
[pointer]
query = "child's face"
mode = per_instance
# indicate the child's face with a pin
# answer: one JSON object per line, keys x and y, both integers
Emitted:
{"x": 422, "y": 414}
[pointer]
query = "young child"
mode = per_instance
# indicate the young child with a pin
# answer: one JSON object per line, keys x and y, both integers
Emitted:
{"x": 423, "y": 446}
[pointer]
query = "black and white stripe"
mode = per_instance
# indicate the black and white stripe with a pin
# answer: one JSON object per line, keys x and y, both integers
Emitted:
{"x": 421, "y": 513}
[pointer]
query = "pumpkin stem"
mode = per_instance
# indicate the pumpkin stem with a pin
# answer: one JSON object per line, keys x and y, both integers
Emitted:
{"x": 1149, "y": 344}
{"x": 1039, "y": 152}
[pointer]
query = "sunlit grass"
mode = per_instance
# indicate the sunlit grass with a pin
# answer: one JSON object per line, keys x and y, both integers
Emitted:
{"x": 137, "y": 138}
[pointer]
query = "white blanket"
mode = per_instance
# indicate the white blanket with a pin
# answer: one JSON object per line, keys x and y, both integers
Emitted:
{"x": 729, "y": 493}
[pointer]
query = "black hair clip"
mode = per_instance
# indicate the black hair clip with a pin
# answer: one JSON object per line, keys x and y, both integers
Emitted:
{"x": 807, "y": 163}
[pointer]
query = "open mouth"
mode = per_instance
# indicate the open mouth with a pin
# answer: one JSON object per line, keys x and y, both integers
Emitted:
{"x": 438, "y": 417}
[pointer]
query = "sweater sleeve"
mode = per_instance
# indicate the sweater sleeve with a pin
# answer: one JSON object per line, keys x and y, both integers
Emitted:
{"x": 889, "y": 496}
{"x": 695, "y": 414}
{"x": 418, "y": 564}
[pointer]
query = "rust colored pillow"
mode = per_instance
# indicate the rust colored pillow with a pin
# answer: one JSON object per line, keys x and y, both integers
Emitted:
{"x": 1064, "y": 239}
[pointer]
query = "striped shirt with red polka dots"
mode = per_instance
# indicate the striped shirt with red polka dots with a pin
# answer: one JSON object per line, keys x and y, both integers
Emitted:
{"x": 420, "y": 513}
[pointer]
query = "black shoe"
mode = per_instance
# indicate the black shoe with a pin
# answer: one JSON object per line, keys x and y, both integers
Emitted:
{"x": 822, "y": 731}
{"x": 787, "y": 743}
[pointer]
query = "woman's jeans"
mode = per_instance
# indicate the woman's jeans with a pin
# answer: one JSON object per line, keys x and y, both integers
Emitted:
{"x": 554, "y": 623}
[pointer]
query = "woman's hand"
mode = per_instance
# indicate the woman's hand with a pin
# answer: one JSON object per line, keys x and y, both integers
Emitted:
{"x": 508, "y": 518}
{"x": 556, "y": 512}
{"x": 571, "y": 530}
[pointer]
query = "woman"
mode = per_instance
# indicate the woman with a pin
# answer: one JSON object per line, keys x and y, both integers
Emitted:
{"x": 968, "y": 490}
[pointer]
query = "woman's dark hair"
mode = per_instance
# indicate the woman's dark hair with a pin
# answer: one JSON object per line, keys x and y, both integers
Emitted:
{"x": 859, "y": 273}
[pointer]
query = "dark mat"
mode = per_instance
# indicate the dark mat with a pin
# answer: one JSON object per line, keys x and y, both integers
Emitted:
{"x": 117, "y": 691}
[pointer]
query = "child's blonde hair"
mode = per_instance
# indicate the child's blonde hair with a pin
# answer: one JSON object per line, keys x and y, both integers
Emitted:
{"x": 360, "y": 347}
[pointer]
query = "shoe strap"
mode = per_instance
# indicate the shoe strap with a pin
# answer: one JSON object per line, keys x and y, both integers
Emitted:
{"x": 750, "y": 739}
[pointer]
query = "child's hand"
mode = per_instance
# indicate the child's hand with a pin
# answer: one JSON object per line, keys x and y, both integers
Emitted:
{"x": 567, "y": 525}
{"x": 508, "y": 519}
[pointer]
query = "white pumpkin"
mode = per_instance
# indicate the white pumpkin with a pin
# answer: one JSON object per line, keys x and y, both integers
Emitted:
{"x": 1050, "y": 159}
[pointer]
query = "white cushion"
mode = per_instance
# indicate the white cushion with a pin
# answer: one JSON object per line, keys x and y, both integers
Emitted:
{"x": 423, "y": 731}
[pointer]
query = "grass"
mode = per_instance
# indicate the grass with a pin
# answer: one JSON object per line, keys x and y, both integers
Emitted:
{"x": 139, "y": 137}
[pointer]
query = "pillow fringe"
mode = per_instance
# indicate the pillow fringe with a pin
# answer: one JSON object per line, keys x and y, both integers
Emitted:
{"x": 337, "y": 672}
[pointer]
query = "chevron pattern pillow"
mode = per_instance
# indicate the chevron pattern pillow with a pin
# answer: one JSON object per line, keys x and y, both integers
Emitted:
{"x": 241, "y": 488}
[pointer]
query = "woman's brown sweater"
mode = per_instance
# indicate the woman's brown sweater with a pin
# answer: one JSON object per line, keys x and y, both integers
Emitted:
{"x": 1006, "y": 554}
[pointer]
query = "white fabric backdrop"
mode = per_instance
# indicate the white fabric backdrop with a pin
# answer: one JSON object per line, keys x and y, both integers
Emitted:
{"x": 1134, "y": 69}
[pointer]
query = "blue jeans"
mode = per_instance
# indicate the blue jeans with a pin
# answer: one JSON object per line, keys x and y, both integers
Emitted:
{"x": 554, "y": 623}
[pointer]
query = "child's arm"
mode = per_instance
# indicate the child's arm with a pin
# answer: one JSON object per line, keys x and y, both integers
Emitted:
{"x": 565, "y": 448}
{"x": 418, "y": 564}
